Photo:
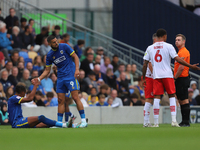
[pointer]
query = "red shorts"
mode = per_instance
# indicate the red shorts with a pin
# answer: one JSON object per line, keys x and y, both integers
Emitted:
{"x": 160, "y": 84}
{"x": 148, "y": 90}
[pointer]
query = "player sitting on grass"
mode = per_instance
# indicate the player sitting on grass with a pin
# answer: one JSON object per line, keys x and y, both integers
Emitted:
{"x": 15, "y": 111}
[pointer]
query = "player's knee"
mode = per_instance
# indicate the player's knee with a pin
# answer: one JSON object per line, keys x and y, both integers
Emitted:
{"x": 41, "y": 118}
{"x": 60, "y": 100}
{"x": 75, "y": 97}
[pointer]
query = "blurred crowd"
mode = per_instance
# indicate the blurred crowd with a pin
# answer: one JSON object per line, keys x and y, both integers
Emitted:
{"x": 103, "y": 80}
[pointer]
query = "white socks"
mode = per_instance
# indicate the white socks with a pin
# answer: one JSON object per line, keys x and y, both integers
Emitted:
{"x": 172, "y": 101}
{"x": 146, "y": 112}
{"x": 156, "y": 108}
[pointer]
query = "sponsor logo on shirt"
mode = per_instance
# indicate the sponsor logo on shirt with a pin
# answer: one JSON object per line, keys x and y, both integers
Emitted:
{"x": 60, "y": 59}
{"x": 61, "y": 51}
{"x": 53, "y": 57}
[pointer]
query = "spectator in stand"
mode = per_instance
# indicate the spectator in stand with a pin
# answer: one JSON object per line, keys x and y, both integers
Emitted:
{"x": 97, "y": 60}
{"x": 2, "y": 60}
{"x": 92, "y": 101}
{"x": 83, "y": 84}
{"x": 129, "y": 76}
{"x": 10, "y": 20}
{"x": 39, "y": 88}
{"x": 100, "y": 77}
{"x": 34, "y": 74}
{"x": 54, "y": 80}
{"x": 103, "y": 90}
{"x": 51, "y": 100}
{"x": 23, "y": 24}
{"x": 91, "y": 82}
{"x": 44, "y": 33}
{"x": 20, "y": 67}
{"x": 13, "y": 78}
{"x": 21, "y": 59}
{"x": 25, "y": 78}
{"x": 83, "y": 101}
{"x": 111, "y": 78}
{"x": 140, "y": 86}
{"x": 106, "y": 65}
{"x": 47, "y": 84}
{"x": 102, "y": 101}
{"x": 123, "y": 88}
{"x": 87, "y": 64}
{"x": 78, "y": 48}
{"x": 193, "y": 85}
{"x": 93, "y": 91}
{"x": 134, "y": 100}
{"x": 29, "y": 66}
{"x": 31, "y": 23}
{"x": 121, "y": 68}
{"x": 87, "y": 51}
{"x": 192, "y": 101}
{"x": 38, "y": 65}
{"x": 56, "y": 32}
{"x": 66, "y": 38}
{"x": 9, "y": 92}
{"x": 5, "y": 41}
{"x": 116, "y": 100}
{"x": 2, "y": 93}
{"x": 45, "y": 48}
{"x": 28, "y": 40}
{"x": 38, "y": 98}
{"x": 8, "y": 68}
{"x": 1, "y": 18}
{"x": 17, "y": 39}
{"x": 15, "y": 58}
{"x": 100, "y": 51}
{"x": 134, "y": 73}
{"x": 4, "y": 80}
{"x": 110, "y": 101}
{"x": 115, "y": 63}
{"x": 4, "y": 114}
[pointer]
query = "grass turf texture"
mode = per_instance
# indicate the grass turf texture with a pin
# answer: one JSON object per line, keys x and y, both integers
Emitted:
{"x": 101, "y": 137}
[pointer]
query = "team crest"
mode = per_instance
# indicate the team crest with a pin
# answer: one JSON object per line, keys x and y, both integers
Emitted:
{"x": 61, "y": 51}
{"x": 53, "y": 57}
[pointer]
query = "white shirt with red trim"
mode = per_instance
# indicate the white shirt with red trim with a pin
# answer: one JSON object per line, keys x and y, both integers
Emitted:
{"x": 160, "y": 54}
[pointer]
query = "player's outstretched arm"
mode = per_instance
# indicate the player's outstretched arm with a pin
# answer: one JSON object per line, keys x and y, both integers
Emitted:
{"x": 144, "y": 68}
{"x": 42, "y": 76}
{"x": 183, "y": 62}
{"x": 31, "y": 95}
{"x": 76, "y": 61}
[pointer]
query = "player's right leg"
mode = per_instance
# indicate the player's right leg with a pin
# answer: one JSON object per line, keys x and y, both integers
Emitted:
{"x": 68, "y": 113}
{"x": 38, "y": 122}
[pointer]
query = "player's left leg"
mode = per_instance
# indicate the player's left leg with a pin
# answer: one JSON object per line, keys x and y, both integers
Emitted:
{"x": 67, "y": 112}
{"x": 61, "y": 106}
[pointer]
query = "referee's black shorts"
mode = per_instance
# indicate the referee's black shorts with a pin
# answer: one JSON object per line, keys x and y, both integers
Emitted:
{"x": 182, "y": 85}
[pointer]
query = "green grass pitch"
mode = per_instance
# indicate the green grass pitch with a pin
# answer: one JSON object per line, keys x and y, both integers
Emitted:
{"x": 101, "y": 137}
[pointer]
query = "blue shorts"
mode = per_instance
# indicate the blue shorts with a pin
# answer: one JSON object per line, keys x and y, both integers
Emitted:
{"x": 21, "y": 123}
{"x": 64, "y": 86}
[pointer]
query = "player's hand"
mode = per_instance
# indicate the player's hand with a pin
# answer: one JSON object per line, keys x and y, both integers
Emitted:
{"x": 34, "y": 81}
{"x": 195, "y": 67}
{"x": 54, "y": 68}
{"x": 76, "y": 74}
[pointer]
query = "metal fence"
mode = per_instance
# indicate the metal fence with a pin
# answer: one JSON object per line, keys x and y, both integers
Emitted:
{"x": 127, "y": 54}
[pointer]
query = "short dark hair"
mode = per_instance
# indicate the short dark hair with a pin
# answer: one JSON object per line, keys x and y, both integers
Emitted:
{"x": 104, "y": 86}
{"x": 57, "y": 27}
{"x": 26, "y": 27}
{"x": 134, "y": 95}
{"x": 161, "y": 32}
{"x": 102, "y": 96}
{"x": 121, "y": 64}
{"x": 93, "y": 88}
{"x": 49, "y": 94}
{"x": 39, "y": 93}
{"x": 181, "y": 35}
{"x": 20, "y": 88}
{"x": 14, "y": 52}
{"x": 30, "y": 20}
{"x": 115, "y": 56}
{"x": 93, "y": 96}
{"x": 50, "y": 37}
{"x": 80, "y": 42}
{"x": 44, "y": 29}
{"x": 86, "y": 50}
{"x": 23, "y": 20}
{"x": 65, "y": 35}
{"x": 89, "y": 54}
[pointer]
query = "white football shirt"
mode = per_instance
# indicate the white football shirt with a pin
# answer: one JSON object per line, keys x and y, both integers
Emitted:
{"x": 149, "y": 74}
{"x": 160, "y": 54}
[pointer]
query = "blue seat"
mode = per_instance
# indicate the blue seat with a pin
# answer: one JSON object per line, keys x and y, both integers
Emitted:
{"x": 23, "y": 54}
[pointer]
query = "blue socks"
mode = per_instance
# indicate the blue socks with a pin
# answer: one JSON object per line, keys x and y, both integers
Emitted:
{"x": 47, "y": 121}
{"x": 82, "y": 114}
{"x": 67, "y": 114}
{"x": 60, "y": 117}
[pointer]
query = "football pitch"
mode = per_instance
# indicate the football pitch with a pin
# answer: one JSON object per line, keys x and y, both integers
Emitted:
{"x": 100, "y": 137}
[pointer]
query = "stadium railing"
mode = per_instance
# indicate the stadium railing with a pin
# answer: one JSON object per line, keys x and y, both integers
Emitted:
{"x": 127, "y": 54}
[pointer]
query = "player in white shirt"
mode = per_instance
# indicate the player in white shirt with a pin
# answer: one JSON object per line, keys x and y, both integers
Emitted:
{"x": 148, "y": 90}
{"x": 160, "y": 54}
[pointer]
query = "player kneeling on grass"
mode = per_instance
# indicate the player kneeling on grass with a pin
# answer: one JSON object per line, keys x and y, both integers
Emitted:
{"x": 15, "y": 111}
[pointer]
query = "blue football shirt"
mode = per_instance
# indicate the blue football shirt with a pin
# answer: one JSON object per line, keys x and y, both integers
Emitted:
{"x": 63, "y": 60}
{"x": 14, "y": 109}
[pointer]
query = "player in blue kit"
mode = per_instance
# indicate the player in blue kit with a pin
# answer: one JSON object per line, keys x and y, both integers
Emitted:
{"x": 62, "y": 56}
{"x": 15, "y": 111}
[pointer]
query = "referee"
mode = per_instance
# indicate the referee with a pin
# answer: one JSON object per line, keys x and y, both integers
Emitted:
{"x": 182, "y": 81}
